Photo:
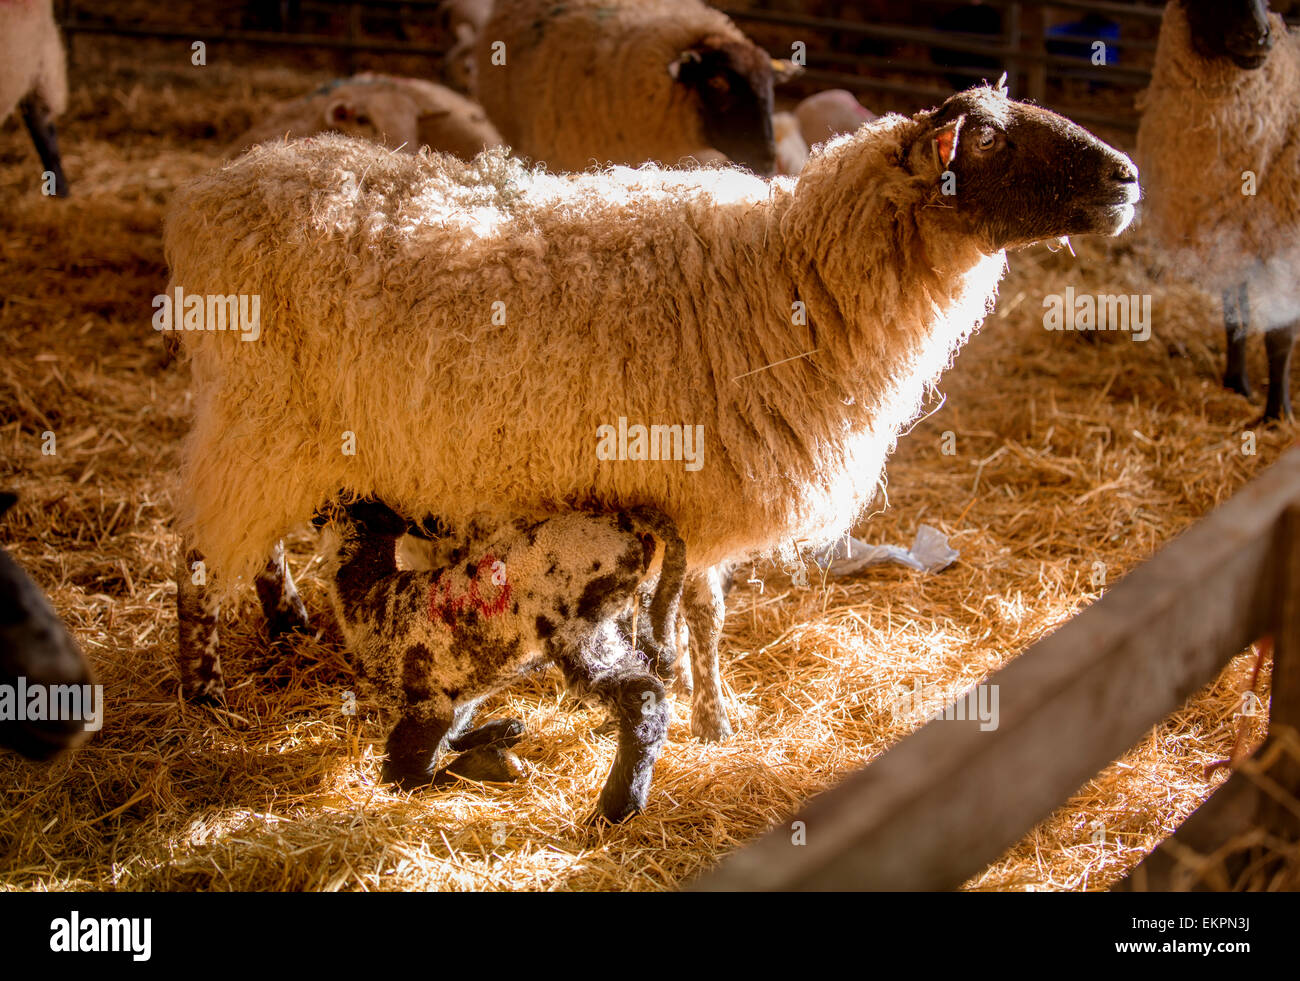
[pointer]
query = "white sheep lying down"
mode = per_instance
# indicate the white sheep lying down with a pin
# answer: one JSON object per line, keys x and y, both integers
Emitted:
{"x": 474, "y": 328}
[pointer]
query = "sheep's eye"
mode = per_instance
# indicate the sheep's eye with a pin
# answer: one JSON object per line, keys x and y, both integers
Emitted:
{"x": 719, "y": 84}
{"x": 987, "y": 140}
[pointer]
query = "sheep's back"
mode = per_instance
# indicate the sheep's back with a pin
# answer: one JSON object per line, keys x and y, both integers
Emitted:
{"x": 377, "y": 293}
{"x": 588, "y": 81}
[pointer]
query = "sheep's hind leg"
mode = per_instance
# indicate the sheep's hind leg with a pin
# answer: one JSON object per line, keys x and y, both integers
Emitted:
{"x": 1236, "y": 318}
{"x": 282, "y": 607}
{"x": 40, "y": 124}
{"x": 1279, "y": 343}
{"x": 196, "y": 616}
{"x": 705, "y": 607}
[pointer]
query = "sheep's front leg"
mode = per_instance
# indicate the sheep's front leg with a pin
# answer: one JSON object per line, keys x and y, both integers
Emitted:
{"x": 196, "y": 614}
{"x": 1279, "y": 342}
{"x": 282, "y": 607}
{"x": 705, "y": 606}
{"x": 1236, "y": 318}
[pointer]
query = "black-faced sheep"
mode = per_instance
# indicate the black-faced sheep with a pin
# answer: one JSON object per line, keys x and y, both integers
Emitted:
{"x": 1219, "y": 145}
{"x": 36, "y": 652}
{"x": 625, "y": 82}
{"x": 508, "y": 599}
{"x": 400, "y": 113}
{"x": 799, "y": 322}
{"x": 33, "y": 77}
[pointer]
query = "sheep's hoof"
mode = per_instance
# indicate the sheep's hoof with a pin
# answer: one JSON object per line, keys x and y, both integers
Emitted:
{"x": 483, "y": 764}
{"x": 1239, "y": 384}
{"x": 1275, "y": 415}
{"x": 503, "y": 733}
{"x": 710, "y": 730}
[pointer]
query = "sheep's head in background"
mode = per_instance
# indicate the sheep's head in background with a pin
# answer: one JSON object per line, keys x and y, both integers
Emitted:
{"x": 1233, "y": 29}
{"x": 34, "y": 646}
{"x": 385, "y": 117}
{"x": 1021, "y": 174}
{"x": 733, "y": 82}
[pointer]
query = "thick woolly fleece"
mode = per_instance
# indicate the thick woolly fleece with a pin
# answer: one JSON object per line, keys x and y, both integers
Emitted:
{"x": 797, "y": 323}
{"x": 31, "y": 56}
{"x": 587, "y": 80}
{"x": 1204, "y": 124}
{"x": 402, "y": 113}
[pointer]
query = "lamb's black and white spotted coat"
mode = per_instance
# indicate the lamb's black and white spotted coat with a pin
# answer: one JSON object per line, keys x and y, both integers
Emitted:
{"x": 435, "y": 643}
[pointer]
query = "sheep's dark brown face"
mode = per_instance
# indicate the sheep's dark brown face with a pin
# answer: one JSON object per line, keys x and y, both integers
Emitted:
{"x": 1021, "y": 174}
{"x": 733, "y": 83}
{"x": 1234, "y": 29}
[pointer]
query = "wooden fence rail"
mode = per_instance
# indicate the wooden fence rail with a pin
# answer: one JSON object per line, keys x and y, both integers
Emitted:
{"x": 945, "y": 802}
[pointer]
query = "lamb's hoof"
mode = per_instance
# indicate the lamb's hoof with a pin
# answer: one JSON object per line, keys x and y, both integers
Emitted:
{"x": 710, "y": 730}
{"x": 612, "y": 812}
{"x": 483, "y": 764}
{"x": 211, "y": 694}
{"x": 290, "y": 618}
{"x": 503, "y": 733}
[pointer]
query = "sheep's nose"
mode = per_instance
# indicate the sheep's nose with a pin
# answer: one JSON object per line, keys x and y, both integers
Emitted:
{"x": 1125, "y": 172}
{"x": 1251, "y": 42}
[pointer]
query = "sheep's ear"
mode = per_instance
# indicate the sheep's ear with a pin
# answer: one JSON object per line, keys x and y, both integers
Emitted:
{"x": 783, "y": 70}
{"x": 7, "y": 500}
{"x": 686, "y": 57}
{"x": 945, "y": 140}
{"x": 339, "y": 111}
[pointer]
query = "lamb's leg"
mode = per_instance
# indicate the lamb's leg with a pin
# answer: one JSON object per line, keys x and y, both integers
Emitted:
{"x": 705, "y": 607}
{"x": 684, "y": 684}
{"x": 282, "y": 607}
{"x": 634, "y": 698}
{"x": 196, "y": 616}
{"x": 1279, "y": 342}
{"x": 40, "y": 124}
{"x": 1236, "y": 318}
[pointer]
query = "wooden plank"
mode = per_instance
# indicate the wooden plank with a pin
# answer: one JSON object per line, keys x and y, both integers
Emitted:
{"x": 949, "y": 799}
{"x": 1285, "y": 699}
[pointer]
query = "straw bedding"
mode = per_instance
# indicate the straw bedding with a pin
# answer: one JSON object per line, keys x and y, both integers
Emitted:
{"x": 1068, "y": 452}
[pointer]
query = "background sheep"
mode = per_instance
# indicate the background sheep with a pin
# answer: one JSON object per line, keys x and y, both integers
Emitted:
{"x": 510, "y": 598}
{"x": 33, "y": 77}
{"x": 791, "y": 150}
{"x": 405, "y": 113}
{"x": 800, "y": 324}
{"x": 465, "y": 21}
{"x": 828, "y": 114}
{"x": 1224, "y": 103}
{"x": 625, "y": 81}
{"x": 35, "y": 646}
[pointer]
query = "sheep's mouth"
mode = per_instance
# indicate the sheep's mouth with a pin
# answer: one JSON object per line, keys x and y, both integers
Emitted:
{"x": 1249, "y": 62}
